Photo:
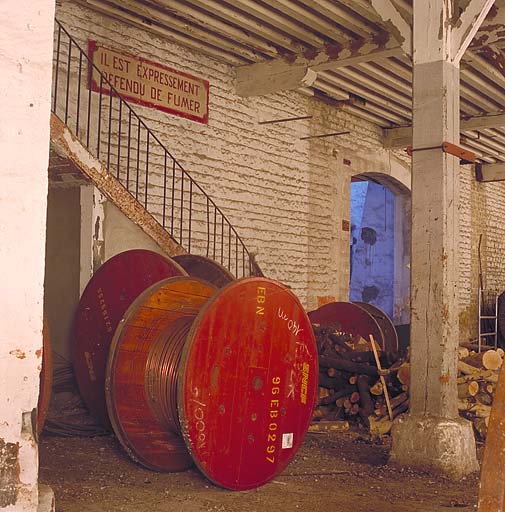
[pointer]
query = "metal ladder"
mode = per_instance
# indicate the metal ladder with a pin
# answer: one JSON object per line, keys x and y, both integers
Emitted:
{"x": 488, "y": 315}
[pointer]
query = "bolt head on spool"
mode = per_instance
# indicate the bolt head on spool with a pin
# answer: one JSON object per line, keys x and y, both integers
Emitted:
{"x": 248, "y": 383}
{"x": 109, "y": 293}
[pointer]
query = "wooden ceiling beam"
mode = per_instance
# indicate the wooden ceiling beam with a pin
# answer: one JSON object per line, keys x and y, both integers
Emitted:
{"x": 486, "y": 173}
{"x": 395, "y": 138}
{"x": 286, "y": 74}
{"x": 395, "y": 22}
{"x": 467, "y": 26}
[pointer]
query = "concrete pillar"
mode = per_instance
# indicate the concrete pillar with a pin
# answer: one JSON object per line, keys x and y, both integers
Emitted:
{"x": 433, "y": 435}
{"x": 26, "y": 40}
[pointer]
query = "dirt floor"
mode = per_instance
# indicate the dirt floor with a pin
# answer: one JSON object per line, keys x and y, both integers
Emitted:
{"x": 341, "y": 472}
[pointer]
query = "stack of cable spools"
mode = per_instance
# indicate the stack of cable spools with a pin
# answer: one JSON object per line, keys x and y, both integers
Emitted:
{"x": 363, "y": 378}
{"x": 190, "y": 366}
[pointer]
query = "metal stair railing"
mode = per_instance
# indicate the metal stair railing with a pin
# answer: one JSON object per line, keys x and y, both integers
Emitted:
{"x": 115, "y": 134}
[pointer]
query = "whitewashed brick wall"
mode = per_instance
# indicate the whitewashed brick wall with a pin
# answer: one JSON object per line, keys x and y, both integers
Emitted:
{"x": 285, "y": 196}
{"x": 482, "y": 213}
{"x": 288, "y": 197}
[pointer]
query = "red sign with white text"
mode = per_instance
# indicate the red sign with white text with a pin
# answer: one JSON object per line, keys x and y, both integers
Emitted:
{"x": 150, "y": 84}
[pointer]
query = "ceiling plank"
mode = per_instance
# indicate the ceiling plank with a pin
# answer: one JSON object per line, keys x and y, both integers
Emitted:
{"x": 467, "y": 25}
{"x": 281, "y": 74}
{"x": 492, "y": 30}
{"x": 395, "y": 22}
{"x": 395, "y": 138}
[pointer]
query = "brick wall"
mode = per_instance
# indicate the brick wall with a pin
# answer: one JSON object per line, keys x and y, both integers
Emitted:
{"x": 482, "y": 213}
{"x": 286, "y": 197}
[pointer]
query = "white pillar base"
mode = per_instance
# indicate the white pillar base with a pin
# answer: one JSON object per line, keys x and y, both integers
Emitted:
{"x": 443, "y": 445}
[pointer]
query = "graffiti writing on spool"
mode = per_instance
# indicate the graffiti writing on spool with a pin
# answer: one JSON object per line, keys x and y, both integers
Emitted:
{"x": 199, "y": 417}
{"x": 292, "y": 325}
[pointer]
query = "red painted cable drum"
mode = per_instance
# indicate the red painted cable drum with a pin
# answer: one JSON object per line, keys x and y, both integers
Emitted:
{"x": 248, "y": 385}
{"x": 232, "y": 373}
{"x": 109, "y": 293}
{"x": 205, "y": 268}
{"x": 354, "y": 319}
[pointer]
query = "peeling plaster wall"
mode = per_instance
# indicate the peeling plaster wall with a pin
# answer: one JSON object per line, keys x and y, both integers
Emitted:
{"x": 287, "y": 197}
{"x": 121, "y": 234}
{"x": 26, "y": 37}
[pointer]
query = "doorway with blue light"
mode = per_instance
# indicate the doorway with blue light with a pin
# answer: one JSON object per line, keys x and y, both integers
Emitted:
{"x": 380, "y": 246}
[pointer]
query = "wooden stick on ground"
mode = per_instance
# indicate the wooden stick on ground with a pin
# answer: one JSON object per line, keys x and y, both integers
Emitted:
{"x": 379, "y": 368}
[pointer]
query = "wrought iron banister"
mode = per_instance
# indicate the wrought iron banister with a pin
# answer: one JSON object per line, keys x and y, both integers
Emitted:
{"x": 116, "y": 135}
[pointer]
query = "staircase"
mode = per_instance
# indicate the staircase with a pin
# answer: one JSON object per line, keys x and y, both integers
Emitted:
{"x": 106, "y": 140}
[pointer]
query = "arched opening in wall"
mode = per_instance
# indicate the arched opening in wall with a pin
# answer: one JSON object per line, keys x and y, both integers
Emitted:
{"x": 380, "y": 246}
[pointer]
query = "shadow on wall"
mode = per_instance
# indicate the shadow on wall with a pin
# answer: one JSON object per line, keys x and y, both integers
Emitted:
{"x": 372, "y": 245}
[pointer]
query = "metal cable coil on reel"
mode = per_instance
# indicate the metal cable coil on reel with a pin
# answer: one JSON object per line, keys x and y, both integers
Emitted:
{"x": 225, "y": 379}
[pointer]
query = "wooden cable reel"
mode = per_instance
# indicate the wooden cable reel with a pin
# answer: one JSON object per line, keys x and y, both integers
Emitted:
{"x": 225, "y": 379}
{"x": 358, "y": 320}
{"x": 204, "y": 268}
{"x": 113, "y": 287}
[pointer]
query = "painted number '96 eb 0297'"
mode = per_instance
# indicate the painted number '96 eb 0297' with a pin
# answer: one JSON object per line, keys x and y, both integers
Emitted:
{"x": 273, "y": 425}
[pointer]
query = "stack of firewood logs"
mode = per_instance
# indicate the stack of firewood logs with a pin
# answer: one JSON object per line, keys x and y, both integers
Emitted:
{"x": 477, "y": 378}
{"x": 353, "y": 387}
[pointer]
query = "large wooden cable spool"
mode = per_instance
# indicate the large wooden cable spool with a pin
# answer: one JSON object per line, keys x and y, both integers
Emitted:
{"x": 225, "y": 378}
{"x": 111, "y": 290}
{"x": 355, "y": 320}
{"x": 204, "y": 268}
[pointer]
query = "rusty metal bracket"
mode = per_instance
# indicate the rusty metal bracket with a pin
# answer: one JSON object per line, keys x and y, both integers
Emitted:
{"x": 465, "y": 156}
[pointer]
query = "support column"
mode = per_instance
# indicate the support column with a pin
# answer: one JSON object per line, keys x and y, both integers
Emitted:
{"x": 433, "y": 435}
{"x": 26, "y": 42}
